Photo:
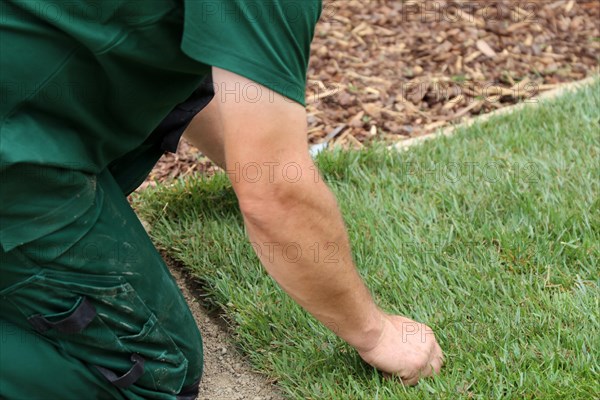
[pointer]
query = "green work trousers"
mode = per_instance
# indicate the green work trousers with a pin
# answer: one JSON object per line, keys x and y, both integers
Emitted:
{"x": 90, "y": 311}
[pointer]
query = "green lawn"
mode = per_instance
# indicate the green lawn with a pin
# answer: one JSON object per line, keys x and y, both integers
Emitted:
{"x": 491, "y": 237}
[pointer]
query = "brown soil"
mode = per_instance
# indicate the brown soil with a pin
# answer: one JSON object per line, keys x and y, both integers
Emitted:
{"x": 227, "y": 376}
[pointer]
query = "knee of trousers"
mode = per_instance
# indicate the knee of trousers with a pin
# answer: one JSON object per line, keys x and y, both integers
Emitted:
{"x": 188, "y": 341}
{"x": 180, "y": 376}
{"x": 150, "y": 367}
{"x": 193, "y": 352}
{"x": 102, "y": 323}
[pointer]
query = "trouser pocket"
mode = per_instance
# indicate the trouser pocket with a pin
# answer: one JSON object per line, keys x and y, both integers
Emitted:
{"x": 101, "y": 320}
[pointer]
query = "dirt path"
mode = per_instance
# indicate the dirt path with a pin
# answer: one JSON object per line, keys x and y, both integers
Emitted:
{"x": 227, "y": 376}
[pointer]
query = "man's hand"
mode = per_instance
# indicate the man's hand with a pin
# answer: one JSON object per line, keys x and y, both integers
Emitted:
{"x": 406, "y": 349}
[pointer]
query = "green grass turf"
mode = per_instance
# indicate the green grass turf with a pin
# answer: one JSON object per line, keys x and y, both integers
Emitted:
{"x": 491, "y": 237}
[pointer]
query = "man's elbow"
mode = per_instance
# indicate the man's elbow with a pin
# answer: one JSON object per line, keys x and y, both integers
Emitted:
{"x": 270, "y": 204}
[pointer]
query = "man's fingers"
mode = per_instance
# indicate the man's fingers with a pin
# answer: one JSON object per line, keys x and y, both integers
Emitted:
{"x": 406, "y": 380}
{"x": 435, "y": 363}
{"x": 411, "y": 381}
{"x": 437, "y": 359}
{"x": 432, "y": 369}
{"x": 439, "y": 353}
{"x": 420, "y": 358}
{"x": 436, "y": 366}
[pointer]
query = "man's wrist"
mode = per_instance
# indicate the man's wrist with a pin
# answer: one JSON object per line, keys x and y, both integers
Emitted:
{"x": 369, "y": 334}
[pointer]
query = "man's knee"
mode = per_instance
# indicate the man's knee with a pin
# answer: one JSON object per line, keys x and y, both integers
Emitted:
{"x": 101, "y": 325}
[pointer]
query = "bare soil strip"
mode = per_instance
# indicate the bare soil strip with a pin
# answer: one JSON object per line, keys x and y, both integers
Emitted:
{"x": 227, "y": 375}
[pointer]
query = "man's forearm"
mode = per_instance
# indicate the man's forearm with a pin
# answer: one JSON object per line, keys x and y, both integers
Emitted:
{"x": 294, "y": 222}
{"x": 300, "y": 237}
{"x": 301, "y": 240}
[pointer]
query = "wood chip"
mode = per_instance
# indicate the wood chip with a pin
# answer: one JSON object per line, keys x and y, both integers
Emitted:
{"x": 472, "y": 56}
{"x": 569, "y": 6}
{"x": 356, "y": 121}
{"x": 373, "y": 130}
{"x": 485, "y": 48}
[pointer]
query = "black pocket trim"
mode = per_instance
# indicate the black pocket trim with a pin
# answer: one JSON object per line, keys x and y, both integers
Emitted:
{"x": 129, "y": 377}
{"x": 76, "y": 322}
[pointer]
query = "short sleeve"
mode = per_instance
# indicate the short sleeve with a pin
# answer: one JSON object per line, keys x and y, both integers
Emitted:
{"x": 266, "y": 41}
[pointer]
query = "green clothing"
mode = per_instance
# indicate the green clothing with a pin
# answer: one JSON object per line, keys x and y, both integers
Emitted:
{"x": 103, "y": 260}
{"x": 85, "y": 82}
{"x": 27, "y": 354}
{"x": 88, "y": 91}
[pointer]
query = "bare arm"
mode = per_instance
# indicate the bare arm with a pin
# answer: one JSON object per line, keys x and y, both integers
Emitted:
{"x": 290, "y": 213}
{"x": 206, "y": 133}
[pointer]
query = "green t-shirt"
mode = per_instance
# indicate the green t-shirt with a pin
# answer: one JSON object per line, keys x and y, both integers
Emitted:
{"x": 84, "y": 82}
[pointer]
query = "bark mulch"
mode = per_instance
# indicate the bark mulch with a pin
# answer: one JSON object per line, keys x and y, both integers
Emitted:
{"x": 391, "y": 70}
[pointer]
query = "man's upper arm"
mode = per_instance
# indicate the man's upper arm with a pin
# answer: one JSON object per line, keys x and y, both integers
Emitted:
{"x": 259, "y": 52}
{"x": 262, "y": 138}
